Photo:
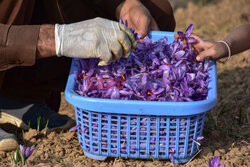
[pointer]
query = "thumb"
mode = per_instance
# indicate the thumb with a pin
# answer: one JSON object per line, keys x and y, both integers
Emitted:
{"x": 143, "y": 31}
{"x": 204, "y": 55}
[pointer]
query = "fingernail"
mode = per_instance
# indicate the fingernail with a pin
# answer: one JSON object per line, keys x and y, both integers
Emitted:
{"x": 198, "y": 58}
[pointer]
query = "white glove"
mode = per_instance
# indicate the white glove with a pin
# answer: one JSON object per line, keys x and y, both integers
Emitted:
{"x": 95, "y": 38}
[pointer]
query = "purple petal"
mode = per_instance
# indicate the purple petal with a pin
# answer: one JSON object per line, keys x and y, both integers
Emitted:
{"x": 191, "y": 40}
{"x": 124, "y": 92}
{"x": 74, "y": 128}
{"x": 210, "y": 163}
{"x": 108, "y": 92}
{"x": 160, "y": 90}
{"x": 29, "y": 151}
{"x": 144, "y": 79}
{"x": 190, "y": 76}
{"x": 199, "y": 138}
{"x": 179, "y": 53}
{"x": 189, "y": 30}
{"x": 126, "y": 23}
{"x": 178, "y": 63}
{"x": 215, "y": 161}
{"x": 22, "y": 148}
{"x": 121, "y": 21}
{"x": 181, "y": 34}
{"x": 115, "y": 93}
{"x": 164, "y": 67}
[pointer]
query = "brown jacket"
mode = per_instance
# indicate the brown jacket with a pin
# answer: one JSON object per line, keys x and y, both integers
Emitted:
{"x": 33, "y": 80}
{"x": 24, "y": 77}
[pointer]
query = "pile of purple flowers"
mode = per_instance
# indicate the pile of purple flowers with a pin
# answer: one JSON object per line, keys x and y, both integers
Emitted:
{"x": 155, "y": 71}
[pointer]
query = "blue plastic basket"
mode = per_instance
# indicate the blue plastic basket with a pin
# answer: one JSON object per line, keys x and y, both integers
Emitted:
{"x": 140, "y": 129}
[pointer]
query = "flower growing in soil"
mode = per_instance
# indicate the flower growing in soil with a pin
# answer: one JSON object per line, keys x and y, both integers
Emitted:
{"x": 215, "y": 162}
{"x": 26, "y": 152}
{"x": 21, "y": 154}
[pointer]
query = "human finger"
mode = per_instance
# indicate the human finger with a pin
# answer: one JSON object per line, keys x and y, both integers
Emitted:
{"x": 206, "y": 54}
{"x": 129, "y": 34}
{"x": 125, "y": 43}
{"x": 117, "y": 50}
{"x": 105, "y": 55}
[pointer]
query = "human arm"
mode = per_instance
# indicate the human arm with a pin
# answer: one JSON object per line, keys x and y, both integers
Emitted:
{"x": 17, "y": 45}
{"x": 22, "y": 45}
{"x": 237, "y": 40}
{"x": 147, "y": 15}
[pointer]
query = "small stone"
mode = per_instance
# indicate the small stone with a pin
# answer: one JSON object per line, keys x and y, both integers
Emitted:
{"x": 32, "y": 133}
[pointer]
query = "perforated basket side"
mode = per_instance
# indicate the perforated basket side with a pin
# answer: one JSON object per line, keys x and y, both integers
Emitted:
{"x": 120, "y": 135}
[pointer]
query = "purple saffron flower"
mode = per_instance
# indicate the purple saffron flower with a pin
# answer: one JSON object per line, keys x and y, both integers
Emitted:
{"x": 26, "y": 151}
{"x": 186, "y": 35}
{"x": 215, "y": 162}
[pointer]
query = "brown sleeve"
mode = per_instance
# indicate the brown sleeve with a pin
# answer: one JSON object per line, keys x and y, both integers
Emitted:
{"x": 18, "y": 45}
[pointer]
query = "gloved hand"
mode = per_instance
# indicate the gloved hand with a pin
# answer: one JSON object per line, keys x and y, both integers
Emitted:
{"x": 95, "y": 38}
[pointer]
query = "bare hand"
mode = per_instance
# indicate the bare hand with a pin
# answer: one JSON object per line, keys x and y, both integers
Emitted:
{"x": 138, "y": 17}
{"x": 209, "y": 50}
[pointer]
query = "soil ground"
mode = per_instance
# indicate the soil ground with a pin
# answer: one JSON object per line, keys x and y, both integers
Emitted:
{"x": 226, "y": 129}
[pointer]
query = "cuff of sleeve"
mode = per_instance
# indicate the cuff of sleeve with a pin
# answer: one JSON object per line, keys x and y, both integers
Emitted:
{"x": 21, "y": 45}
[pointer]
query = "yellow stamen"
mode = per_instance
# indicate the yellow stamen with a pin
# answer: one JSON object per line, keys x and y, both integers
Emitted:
{"x": 149, "y": 93}
{"x": 123, "y": 77}
{"x": 83, "y": 75}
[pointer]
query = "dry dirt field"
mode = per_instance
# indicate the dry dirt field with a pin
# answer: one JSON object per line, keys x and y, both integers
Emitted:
{"x": 226, "y": 130}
